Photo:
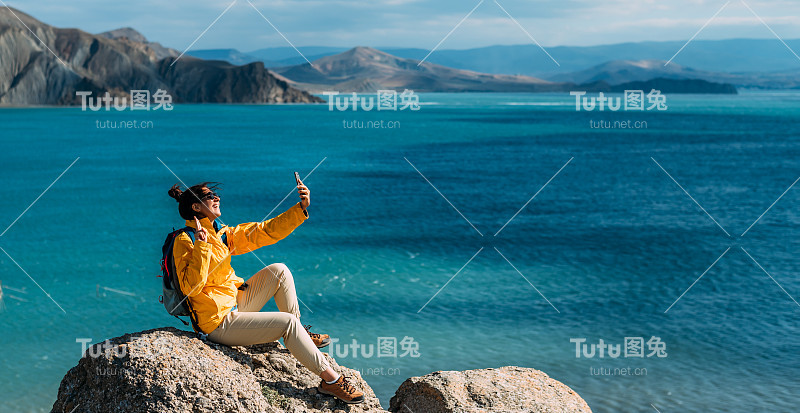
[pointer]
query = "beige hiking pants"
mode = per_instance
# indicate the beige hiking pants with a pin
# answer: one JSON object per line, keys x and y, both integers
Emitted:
{"x": 249, "y": 325}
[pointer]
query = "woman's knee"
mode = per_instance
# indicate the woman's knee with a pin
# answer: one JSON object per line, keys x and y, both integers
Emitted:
{"x": 280, "y": 270}
{"x": 292, "y": 324}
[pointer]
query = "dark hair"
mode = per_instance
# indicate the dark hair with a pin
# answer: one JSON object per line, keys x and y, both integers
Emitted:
{"x": 190, "y": 197}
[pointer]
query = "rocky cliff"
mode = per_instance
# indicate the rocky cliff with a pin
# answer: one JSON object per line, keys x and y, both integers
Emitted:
{"x": 47, "y": 66}
{"x": 168, "y": 370}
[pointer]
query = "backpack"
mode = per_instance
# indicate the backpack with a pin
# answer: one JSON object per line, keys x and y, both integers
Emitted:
{"x": 173, "y": 299}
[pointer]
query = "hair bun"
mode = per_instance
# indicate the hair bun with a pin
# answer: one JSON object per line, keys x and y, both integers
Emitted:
{"x": 175, "y": 192}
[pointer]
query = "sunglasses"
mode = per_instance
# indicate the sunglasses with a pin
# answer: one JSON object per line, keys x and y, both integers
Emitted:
{"x": 209, "y": 195}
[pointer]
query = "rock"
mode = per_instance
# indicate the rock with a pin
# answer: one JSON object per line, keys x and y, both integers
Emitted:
{"x": 507, "y": 389}
{"x": 169, "y": 370}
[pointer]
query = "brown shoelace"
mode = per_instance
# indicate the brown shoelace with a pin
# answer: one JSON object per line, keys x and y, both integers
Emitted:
{"x": 310, "y": 334}
{"x": 346, "y": 386}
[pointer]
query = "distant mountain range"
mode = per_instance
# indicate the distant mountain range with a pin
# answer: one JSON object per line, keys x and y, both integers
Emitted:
{"x": 749, "y": 63}
{"x": 363, "y": 69}
{"x": 619, "y": 71}
{"x": 48, "y": 68}
{"x": 729, "y": 56}
{"x": 51, "y": 66}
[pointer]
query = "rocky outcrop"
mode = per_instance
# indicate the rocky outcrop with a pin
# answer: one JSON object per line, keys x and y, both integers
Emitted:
{"x": 507, "y": 389}
{"x": 214, "y": 81}
{"x": 169, "y": 370}
{"x": 48, "y": 68}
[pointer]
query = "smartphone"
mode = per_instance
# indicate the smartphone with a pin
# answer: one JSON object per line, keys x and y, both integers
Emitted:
{"x": 297, "y": 178}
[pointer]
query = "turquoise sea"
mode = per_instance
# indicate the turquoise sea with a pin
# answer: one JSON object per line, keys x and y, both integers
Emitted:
{"x": 600, "y": 253}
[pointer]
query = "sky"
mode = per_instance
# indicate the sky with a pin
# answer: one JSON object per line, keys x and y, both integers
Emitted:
{"x": 247, "y": 25}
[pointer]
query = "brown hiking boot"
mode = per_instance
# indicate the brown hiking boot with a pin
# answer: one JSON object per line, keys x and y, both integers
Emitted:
{"x": 342, "y": 390}
{"x": 320, "y": 340}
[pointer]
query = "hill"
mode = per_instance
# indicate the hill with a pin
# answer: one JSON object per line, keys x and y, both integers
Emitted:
{"x": 363, "y": 69}
{"x": 129, "y": 34}
{"x": 621, "y": 71}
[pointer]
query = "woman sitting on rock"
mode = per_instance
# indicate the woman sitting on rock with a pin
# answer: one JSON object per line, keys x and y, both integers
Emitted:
{"x": 227, "y": 308}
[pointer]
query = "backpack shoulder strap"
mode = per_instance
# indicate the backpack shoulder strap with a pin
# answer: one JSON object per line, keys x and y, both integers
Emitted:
{"x": 192, "y": 315}
{"x": 190, "y": 232}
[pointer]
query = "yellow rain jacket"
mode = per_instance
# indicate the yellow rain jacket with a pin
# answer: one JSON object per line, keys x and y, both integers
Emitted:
{"x": 204, "y": 268}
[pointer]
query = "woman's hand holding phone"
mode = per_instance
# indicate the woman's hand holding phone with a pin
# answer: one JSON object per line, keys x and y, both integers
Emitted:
{"x": 302, "y": 190}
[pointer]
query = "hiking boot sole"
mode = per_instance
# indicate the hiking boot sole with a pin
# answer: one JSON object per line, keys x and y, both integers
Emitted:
{"x": 325, "y": 343}
{"x": 354, "y": 401}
